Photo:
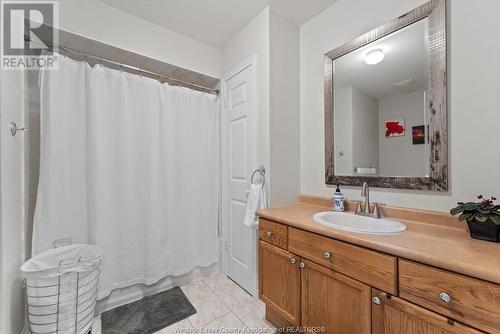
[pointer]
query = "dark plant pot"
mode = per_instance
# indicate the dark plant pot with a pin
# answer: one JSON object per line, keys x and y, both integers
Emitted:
{"x": 484, "y": 231}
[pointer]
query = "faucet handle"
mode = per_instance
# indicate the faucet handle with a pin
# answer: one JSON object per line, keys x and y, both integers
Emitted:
{"x": 358, "y": 207}
{"x": 376, "y": 213}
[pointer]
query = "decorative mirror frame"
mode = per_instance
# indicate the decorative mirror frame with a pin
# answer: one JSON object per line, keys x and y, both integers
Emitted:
{"x": 436, "y": 105}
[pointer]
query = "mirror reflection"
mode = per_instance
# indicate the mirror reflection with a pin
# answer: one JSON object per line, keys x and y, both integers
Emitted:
{"x": 380, "y": 125}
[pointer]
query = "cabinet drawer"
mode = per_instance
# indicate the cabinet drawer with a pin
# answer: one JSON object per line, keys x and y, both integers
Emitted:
{"x": 373, "y": 268}
{"x": 312, "y": 246}
{"x": 274, "y": 233}
{"x": 471, "y": 301}
{"x": 367, "y": 266}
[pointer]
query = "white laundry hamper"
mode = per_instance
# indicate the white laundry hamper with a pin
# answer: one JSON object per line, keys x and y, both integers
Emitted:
{"x": 61, "y": 288}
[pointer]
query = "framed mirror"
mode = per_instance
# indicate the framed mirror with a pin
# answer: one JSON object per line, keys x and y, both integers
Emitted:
{"x": 385, "y": 105}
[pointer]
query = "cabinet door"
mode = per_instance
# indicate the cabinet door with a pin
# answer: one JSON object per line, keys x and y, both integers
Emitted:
{"x": 392, "y": 315}
{"x": 334, "y": 301}
{"x": 279, "y": 281}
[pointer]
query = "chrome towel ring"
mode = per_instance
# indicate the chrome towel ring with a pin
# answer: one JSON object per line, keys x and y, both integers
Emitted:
{"x": 261, "y": 171}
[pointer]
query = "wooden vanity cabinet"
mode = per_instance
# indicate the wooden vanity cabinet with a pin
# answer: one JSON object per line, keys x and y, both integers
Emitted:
{"x": 334, "y": 301}
{"x": 279, "y": 281}
{"x": 314, "y": 281}
{"x": 393, "y": 315}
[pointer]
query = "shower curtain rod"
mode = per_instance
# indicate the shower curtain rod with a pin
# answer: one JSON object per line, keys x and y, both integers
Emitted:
{"x": 130, "y": 67}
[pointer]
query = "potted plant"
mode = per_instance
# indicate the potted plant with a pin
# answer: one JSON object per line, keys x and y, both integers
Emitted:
{"x": 483, "y": 218}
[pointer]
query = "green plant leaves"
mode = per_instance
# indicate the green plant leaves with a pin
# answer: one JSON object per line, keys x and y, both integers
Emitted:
{"x": 495, "y": 218}
{"x": 457, "y": 210}
{"x": 480, "y": 217}
{"x": 479, "y": 212}
{"x": 469, "y": 206}
{"x": 465, "y": 216}
{"x": 484, "y": 211}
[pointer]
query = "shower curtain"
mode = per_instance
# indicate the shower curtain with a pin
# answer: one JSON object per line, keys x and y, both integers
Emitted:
{"x": 130, "y": 165}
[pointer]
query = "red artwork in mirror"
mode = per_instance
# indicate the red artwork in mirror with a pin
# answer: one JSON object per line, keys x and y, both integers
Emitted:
{"x": 395, "y": 128}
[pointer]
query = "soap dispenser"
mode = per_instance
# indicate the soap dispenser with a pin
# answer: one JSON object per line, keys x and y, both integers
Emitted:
{"x": 338, "y": 200}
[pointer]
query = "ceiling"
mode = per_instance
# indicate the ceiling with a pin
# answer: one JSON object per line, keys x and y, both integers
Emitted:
{"x": 215, "y": 22}
{"x": 406, "y": 58}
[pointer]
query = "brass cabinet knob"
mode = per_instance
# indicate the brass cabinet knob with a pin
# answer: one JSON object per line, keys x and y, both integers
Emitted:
{"x": 327, "y": 255}
{"x": 268, "y": 234}
{"x": 292, "y": 260}
{"x": 445, "y": 297}
{"x": 376, "y": 300}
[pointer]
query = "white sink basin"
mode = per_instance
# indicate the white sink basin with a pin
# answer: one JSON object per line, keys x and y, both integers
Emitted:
{"x": 360, "y": 224}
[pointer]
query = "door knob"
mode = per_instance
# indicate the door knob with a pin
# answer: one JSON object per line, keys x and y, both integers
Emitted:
{"x": 302, "y": 265}
{"x": 292, "y": 260}
{"x": 376, "y": 300}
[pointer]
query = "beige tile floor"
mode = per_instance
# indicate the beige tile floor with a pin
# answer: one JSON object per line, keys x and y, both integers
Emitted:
{"x": 222, "y": 307}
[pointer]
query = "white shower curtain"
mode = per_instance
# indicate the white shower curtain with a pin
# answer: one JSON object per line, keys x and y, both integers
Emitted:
{"x": 130, "y": 165}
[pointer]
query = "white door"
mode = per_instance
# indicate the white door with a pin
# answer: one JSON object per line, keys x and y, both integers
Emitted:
{"x": 238, "y": 161}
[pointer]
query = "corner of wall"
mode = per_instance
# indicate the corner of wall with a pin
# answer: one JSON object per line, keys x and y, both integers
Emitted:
{"x": 254, "y": 39}
{"x": 284, "y": 79}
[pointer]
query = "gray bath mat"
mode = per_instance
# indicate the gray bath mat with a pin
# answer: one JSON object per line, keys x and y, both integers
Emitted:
{"x": 149, "y": 314}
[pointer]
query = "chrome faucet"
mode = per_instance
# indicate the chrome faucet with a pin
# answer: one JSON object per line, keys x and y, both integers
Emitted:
{"x": 363, "y": 208}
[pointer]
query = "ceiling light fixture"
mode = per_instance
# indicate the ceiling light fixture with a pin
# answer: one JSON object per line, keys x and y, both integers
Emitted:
{"x": 374, "y": 56}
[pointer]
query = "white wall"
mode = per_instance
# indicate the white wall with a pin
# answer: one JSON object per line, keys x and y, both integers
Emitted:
{"x": 254, "y": 39}
{"x": 275, "y": 41}
{"x": 364, "y": 130}
{"x": 343, "y": 135}
{"x": 474, "y": 78}
{"x": 398, "y": 155}
{"x": 285, "y": 109}
{"x": 99, "y": 21}
{"x": 11, "y": 202}
{"x": 356, "y": 130}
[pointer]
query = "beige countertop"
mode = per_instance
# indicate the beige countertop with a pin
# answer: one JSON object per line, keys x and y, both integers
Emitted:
{"x": 441, "y": 245}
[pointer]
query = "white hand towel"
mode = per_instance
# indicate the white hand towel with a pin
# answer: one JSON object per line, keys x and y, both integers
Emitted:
{"x": 256, "y": 200}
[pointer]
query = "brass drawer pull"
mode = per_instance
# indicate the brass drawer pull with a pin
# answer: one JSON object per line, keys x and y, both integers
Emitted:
{"x": 268, "y": 234}
{"x": 327, "y": 255}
